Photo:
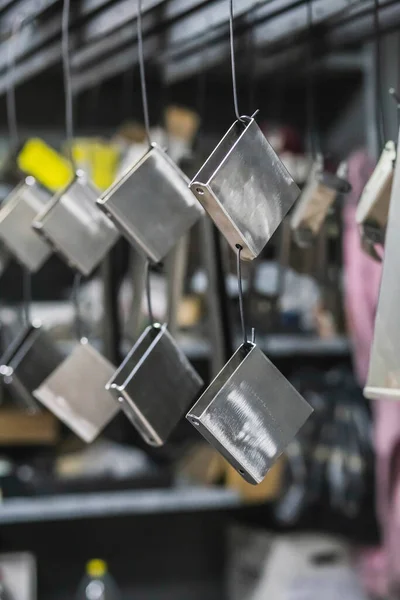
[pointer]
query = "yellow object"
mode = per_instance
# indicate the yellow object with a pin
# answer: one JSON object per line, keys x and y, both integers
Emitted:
{"x": 98, "y": 159}
{"x": 41, "y": 161}
{"x": 96, "y": 567}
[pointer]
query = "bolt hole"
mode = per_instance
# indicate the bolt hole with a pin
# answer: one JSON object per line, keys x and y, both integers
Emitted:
{"x": 195, "y": 422}
{"x": 241, "y": 471}
{"x": 200, "y": 191}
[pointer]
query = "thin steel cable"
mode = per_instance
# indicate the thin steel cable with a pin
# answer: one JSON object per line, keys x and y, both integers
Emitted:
{"x": 10, "y": 99}
{"x": 143, "y": 73}
{"x": 233, "y": 65}
{"x": 379, "y": 112}
{"x": 311, "y": 120}
{"x": 148, "y": 294}
{"x": 396, "y": 98}
{"x": 69, "y": 101}
{"x": 76, "y": 287}
{"x": 240, "y": 290}
{"x": 26, "y": 295}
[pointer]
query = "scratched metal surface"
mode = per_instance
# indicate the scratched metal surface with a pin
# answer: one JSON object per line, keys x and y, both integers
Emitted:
{"x": 250, "y": 413}
{"x": 245, "y": 188}
{"x": 155, "y": 385}
{"x": 76, "y": 228}
{"x": 151, "y": 204}
{"x": 16, "y": 216}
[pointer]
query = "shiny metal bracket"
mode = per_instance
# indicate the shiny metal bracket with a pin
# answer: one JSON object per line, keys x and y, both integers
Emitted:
{"x": 317, "y": 197}
{"x": 75, "y": 392}
{"x": 383, "y": 379}
{"x": 373, "y": 207}
{"x": 27, "y": 362}
{"x": 75, "y": 227}
{"x": 151, "y": 204}
{"x": 16, "y": 216}
{"x": 155, "y": 384}
{"x": 245, "y": 188}
{"x": 250, "y": 413}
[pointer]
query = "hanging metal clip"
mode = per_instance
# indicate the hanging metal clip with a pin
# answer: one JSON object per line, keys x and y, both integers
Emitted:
{"x": 373, "y": 207}
{"x": 317, "y": 197}
{"x": 16, "y": 216}
{"x": 75, "y": 227}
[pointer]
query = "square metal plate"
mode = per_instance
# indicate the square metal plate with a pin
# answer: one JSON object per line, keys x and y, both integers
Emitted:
{"x": 250, "y": 413}
{"x": 384, "y": 368}
{"x": 245, "y": 188}
{"x": 155, "y": 385}
{"x": 76, "y": 228}
{"x": 75, "y": 392}
{"x": 151, "y": 204}
{"x": 16, "y": 216}
{"x": 27, "y": 362}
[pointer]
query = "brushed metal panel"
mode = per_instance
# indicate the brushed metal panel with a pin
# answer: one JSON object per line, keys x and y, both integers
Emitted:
{"x": 75, "y": 392}
{"x": 76, "y": 228}
{"x": 250, "y": 413}
{"x": 155, "y": 385}
{"x": 151, "y": 204}
{"x": 245, "y": 188}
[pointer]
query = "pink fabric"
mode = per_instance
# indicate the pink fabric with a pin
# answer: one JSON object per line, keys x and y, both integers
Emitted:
{"x": 362, "y": 280}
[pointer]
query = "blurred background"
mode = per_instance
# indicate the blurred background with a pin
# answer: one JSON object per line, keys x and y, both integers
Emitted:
{"x": 120, "y": 519}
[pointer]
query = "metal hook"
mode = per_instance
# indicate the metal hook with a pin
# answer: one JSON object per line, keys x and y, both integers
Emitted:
{"x": 148, "y": 294}
{"x": 142, "y": 73}
{"x": 69, "y": 115}
{"x": 240, "y": 289}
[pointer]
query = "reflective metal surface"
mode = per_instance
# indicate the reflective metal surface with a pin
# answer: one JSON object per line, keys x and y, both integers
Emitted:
{"x": 155, "y": 385}
{"x": 16, "y": 216}
{"x": 151, "y": 204}
{"x": 384, "y": 369}
{"x": 245, "y": 188}
{"x": 75, "y": 392}
{"x": 4, "y": 259}
{"x": 373, "y": 207}
{"x": 27, "y": 362}
{"x": 75, "y": 227}
{"x": 250, "y": 413}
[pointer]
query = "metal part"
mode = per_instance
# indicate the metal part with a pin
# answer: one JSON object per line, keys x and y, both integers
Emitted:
{"x": 155, "y": 385}
{"x": 317, "y": 197}
{"x": 4, "y": 259}
{"x": 151, "y": 204}
{"x": 245, "y": 188}
{"x": 176, "y": 264}
{"x": 16, "y": 216}
{"x": 75, "y": 392}
{"x": 75, "y": 227}
{"x": 27, "y": 362}
{"x": 383, "y": 379}
{"x": 250, "y": 413}
{"x": 373, "y": 207}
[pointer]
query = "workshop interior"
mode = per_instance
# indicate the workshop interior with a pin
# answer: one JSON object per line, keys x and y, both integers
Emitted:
{"x": 199, "y": 300}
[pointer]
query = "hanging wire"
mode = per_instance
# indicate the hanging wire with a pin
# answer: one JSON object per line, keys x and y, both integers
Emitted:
{"x": 142, "y": 73}
{"x": 11, "y": 102}
{"x": 76, "y": 287}
{"x": 26, "y": 295}
{"x": 233, "y": 66}
{"x": 148, "y": 294}
{"x": 312, "y": 131}
{"x": 69, "y": 111}
{"x": 240, "y": 289}
{"x": 379, "y": 112}
{"x": 396, "y": 98}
